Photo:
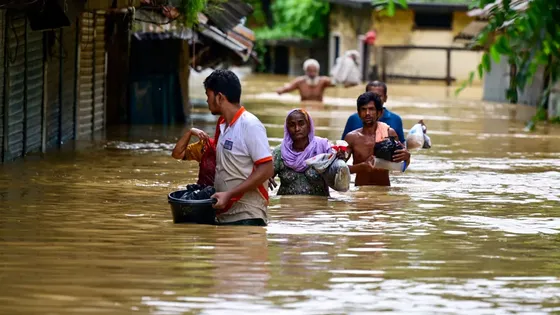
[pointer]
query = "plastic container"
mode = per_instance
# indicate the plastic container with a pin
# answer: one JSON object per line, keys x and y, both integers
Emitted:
{"x": 388, "y": 165}
{"x": 191, "y": 211}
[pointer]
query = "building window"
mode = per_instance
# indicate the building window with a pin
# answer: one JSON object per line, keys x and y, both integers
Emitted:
{"x": 434, "y": 21}
{"x": 334, "y": 49}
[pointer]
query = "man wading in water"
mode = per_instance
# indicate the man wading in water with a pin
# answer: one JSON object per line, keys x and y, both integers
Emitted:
{"x": 311, "y": 86}
{"x": 243, "y": 158}
{"x": 362, "y": 141}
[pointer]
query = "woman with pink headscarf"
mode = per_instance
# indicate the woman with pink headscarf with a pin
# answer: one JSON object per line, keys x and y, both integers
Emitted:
{"x": 299, "y": 144}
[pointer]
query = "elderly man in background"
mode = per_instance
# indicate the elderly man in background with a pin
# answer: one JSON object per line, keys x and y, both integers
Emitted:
{"x": 311, "y": 86}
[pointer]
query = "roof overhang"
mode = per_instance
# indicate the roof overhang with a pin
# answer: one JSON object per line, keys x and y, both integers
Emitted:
{"x": 471, "y": 31}
{"x": 209, "y": 44}
{"x": 412, "y": 5}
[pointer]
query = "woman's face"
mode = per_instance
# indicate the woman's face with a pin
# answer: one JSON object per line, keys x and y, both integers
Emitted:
{"x": 298, "y": 128}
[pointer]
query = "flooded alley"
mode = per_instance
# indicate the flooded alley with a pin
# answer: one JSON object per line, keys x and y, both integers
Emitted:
{"x": 471, "y": 227}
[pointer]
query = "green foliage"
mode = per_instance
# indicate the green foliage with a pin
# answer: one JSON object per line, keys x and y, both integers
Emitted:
{"x": 265, "y": 33}
{"x": 258, "y": 17}
{"x": 260, "y": 49}
{"x": 528, "y": 39}
{"x": 189, "y": 9}
{"x": 388, "y": 7}
{"x": 297, "y": 19}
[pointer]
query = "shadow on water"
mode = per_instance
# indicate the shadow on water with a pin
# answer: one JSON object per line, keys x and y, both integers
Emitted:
{"x": 470, "y": 228}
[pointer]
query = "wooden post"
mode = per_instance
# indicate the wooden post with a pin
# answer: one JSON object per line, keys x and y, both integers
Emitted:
{"x": 448, "y": 71}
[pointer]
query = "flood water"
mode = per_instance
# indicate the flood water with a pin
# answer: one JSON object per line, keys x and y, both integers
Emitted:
{"x": 472, "y": 227}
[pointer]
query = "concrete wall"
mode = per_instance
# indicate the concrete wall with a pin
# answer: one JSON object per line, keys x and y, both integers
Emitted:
{"x": 554, "y": 102}
{"x": 496, "y": 82}
{"x": 348, "y": 24}
{"x": 531, "y": 94}
{"x": 398, "y": 30}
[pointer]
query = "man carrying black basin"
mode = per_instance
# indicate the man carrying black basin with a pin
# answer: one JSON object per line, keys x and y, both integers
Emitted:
{"x": 243, "y": 157}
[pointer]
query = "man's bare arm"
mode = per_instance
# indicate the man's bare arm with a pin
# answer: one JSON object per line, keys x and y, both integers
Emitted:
{"x": 328, "y": 82}
{"x": 292, "y": 86}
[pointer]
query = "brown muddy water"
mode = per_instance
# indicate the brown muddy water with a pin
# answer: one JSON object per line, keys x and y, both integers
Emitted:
{"x": 471, "y": 228}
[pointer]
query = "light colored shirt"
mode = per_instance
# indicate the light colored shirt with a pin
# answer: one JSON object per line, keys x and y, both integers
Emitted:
{"x": 241, "y": 146}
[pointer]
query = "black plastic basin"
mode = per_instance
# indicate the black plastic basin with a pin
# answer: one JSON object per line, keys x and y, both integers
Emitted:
{"x": 191, "y": 211}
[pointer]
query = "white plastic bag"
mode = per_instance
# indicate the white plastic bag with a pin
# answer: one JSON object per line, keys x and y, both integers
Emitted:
{"x": 415, "y": 137}
{"x": 388, "y": 165}
{"x": 334, "y": 171}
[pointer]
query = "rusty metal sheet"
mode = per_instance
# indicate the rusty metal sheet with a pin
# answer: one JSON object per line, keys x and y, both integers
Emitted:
{"x": 34, "y": 90}
{"x": 53, "y": 97}
{"x": 68, "y": 82}
{"x": 15, "y": 85}
{"x": 85, "y": 87}
{"x": 2, "y": 37}
{"x": 99, "y": 73}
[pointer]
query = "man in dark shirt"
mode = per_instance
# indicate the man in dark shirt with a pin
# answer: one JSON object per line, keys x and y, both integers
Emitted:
{"x": 393, "y": 120}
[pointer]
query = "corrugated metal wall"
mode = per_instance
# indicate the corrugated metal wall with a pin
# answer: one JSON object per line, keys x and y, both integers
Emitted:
{"x": 2, "y": 37}
{"x": 91, "y": 87}
{"x": 99, "y": 74}
{"x": 34, "y": 90}
{"x": 85, "y": 90}
{"x": 36, "y": 114}
{"x": 68, "y": 81}
{"x": 15, "y": 56}
{"x": 53, "y": 85}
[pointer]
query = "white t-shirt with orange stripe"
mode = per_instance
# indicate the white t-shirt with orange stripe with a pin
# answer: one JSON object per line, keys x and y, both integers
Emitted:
{"x": 241, "y": 146}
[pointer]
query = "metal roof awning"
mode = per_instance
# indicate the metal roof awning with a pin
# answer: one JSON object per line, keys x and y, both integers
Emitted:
{"x": 233, "y": 39}
{"x": 229, "y": 14}
{"x": 209, "y": 44}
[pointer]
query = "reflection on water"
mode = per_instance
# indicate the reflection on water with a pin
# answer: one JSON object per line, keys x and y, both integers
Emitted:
{"x": 471, "y": 228}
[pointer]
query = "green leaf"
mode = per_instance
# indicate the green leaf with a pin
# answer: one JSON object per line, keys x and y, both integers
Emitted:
{"x": 404, "y": 4}
{"x": 480, "y": 71}
{"x": 460, "y": 88}
{"x": 465, "y": 83}
{"x": 502, "y": 46}
{"x": 391, "y": 8}
{"x": 486, "y": 62}
{"x": 495, "y": 54}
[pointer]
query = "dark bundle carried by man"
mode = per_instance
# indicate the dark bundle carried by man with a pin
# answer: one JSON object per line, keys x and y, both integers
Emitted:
{"x": 198, "y": 192}
{"x": 386, "y": 149}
